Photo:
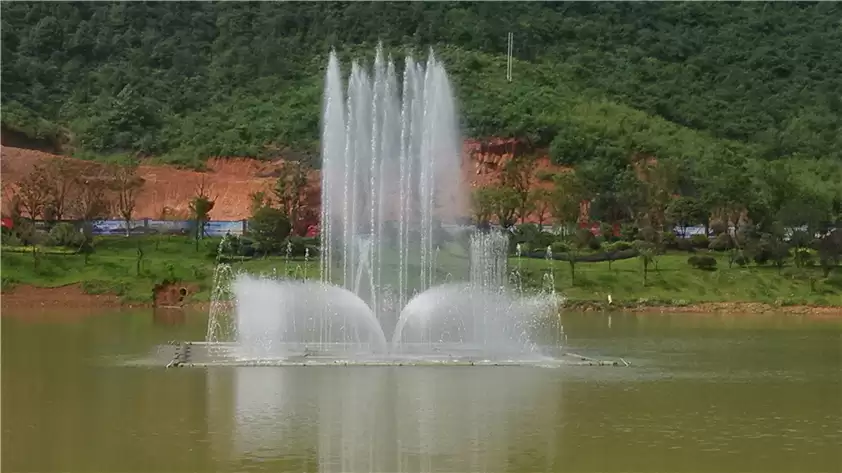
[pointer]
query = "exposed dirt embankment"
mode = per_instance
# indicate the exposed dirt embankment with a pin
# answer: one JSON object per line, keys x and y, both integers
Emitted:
{"x": 231, "y": 180}
{"x": 746, "y": 308}
{"x": 167, "y": 190}
{"x": 70, "y": 301}
{"x": 64, "y": 297}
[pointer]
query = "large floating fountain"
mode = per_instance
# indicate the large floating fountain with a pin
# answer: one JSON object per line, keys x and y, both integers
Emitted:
{"x": 401, "y": 280}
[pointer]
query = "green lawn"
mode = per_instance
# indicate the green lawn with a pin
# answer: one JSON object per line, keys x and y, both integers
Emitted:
{"x": 113, "y": 268}
{"x": 676, "y": 283}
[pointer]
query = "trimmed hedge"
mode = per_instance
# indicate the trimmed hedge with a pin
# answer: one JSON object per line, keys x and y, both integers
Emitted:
{"x": 704, "y": 262}
{"x": 592, "y": 258}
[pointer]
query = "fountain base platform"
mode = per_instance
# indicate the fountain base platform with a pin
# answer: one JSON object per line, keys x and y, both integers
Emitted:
{"x": 204, "y": 354}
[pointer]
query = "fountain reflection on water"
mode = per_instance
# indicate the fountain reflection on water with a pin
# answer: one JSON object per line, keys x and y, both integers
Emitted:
{"x": 360, "y": 419}
{"x": 391, "y": 181}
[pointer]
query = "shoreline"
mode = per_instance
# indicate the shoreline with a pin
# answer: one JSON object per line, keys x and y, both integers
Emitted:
{"x": 28, "y": 298}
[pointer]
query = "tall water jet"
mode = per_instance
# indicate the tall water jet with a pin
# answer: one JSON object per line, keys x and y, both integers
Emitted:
{"x": 489, "y": 260}
{"x": 333, "y": 150}
{"x": 391, "y": 162}
{"x": 391, "y": 183}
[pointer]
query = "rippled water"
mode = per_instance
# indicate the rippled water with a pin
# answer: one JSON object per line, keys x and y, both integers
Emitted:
{"x": 704, "y": 393}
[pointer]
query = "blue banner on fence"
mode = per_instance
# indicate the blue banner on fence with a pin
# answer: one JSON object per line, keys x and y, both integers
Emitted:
{"x": 212, "y": 228}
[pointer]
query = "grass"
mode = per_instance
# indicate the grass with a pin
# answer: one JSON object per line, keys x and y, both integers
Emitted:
{"x": 676, "y": 283}
{"x": 113, "y": 268}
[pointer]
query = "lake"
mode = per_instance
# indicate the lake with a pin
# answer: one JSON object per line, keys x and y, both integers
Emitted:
{"x": 703, "y": 393}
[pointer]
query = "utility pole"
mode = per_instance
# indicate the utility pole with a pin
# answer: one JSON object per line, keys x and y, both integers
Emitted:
{"x": 511, "y": 44}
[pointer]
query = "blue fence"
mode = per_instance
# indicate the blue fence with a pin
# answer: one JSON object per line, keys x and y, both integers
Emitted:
{"x": 212, "y": 228}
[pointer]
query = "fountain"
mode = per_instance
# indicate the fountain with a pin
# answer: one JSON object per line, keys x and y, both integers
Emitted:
{"x": 392, "y": 195}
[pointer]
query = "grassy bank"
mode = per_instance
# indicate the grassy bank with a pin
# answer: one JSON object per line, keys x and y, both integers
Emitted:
{"x": 115, "y": 267}
{"x": 675, "y": 283}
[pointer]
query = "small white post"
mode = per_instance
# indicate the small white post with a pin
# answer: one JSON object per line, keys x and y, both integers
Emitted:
{"x": 509, "y": 53}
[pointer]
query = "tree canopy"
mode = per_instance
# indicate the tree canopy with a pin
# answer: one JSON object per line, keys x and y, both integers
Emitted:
{"x": 593, "y": 81}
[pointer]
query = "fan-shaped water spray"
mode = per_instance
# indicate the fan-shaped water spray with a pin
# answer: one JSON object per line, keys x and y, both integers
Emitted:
{"x": 276, "y": 318}
{"x": 462, "y": 317}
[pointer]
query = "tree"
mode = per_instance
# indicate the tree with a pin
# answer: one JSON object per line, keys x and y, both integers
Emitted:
{"x": 685, "y": 212}
{"x": 658, "y": 184}
{"x": 541, "y": 203}
{"x": 258, "y": 200}
{"x": 291, "y": 191}
{"x": 517, "y": 176}
{"x": 775, "y": 246}
{"x": 505, "y": 203}
{"x": 805, "y": 210}
{"x": 126, "y": 185}
{"x": 646, "y": 254}
{"x": 200, "y": 207}
{"x": 482, "y": 205}
{"x": 725, "y": 186}
{"x": 566, "y": 198}
{"x": 269, "y": 227}
{"x": 830, "y": 251}
{"x": 34, "y": 192}
{"x": 61, "y": 178}
{"x": 91, "y": 200}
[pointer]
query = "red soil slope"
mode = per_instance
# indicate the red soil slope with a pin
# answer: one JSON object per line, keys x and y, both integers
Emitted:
{"x": 231, "y": 180}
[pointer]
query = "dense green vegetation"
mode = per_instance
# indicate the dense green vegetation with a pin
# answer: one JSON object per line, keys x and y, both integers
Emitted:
{"x": 738, "y": 104}
{"x": 193, "y": 79}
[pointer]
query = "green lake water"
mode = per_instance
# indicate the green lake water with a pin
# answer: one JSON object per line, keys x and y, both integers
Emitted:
{"x": 704, "y": 393}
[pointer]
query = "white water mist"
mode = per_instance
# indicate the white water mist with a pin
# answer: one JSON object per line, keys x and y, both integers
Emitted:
{"x": 391, "y": 159}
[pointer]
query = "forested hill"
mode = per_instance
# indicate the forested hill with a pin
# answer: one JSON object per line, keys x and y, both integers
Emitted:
{"x": 591, "y": 80}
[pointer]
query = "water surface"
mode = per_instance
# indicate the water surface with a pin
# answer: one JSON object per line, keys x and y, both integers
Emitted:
{"x": 704, "y": 393}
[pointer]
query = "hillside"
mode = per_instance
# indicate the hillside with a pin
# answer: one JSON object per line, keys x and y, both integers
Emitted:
{"x": 740, "y": 102}
{"x": 230, "y": 181}
{"x": 195, "y": 79}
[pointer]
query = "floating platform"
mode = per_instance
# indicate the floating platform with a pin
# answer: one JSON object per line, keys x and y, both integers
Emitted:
{"x": 205, "y": 355}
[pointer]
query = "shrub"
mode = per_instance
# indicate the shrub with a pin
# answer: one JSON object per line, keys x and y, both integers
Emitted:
{"x": 560, "y": 247}
{"x": 595, "y": 244}
{"x": 7, "y": 283}
{"x": 628, "y": 232}
{"x": 10, "y": 239}
{"x": 834, "y": 279}
{"x": 803, "y": 257}
{"x": 685, "y": 244}
{"x": 670, "y": 240}
{"x": 300, "y": 245}
{"x": 741, "y": 260}
{"x": 246, "y": 247}
{"x": 618, "y": 246}
{"x": 269, "y": 227}
{"x": 718, "y": 227}
{"x": 524, "y": 248}
{"x": 721, "y": 242}
{"x": 65, "y": 234}
{"x": 233, "y": 246}
{"x": 704, "y": 262}
{"x": 761, "y": 257}
{"x": 543, "y": 240}
{"x": 699, "y": 241}
{"x": 606, "y": 231}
